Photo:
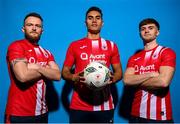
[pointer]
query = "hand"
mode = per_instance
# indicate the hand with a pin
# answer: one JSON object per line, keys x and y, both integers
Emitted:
{"x": 111, "y": 78}
{"x": 78, "y": 77}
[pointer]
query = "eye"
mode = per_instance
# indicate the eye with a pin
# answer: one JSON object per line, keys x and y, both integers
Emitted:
{"x": 90, "y": 17}
{"x": 98, "y": 17}
{"x": 142, "y": 29}
{"x": 39, "y": 26}
{"x": 29, "y": 24}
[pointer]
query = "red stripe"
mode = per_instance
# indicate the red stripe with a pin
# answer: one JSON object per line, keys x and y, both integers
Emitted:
{"x": 110, "y": 103}
{"x": 102, "y": 107}
{"x": 148, "y": 106}
{"x": 158, "y": 109}
{"x": 136, "y": 104}
{"x": 168, "y": 107}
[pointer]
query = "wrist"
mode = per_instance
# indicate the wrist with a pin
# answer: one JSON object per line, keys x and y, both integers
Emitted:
{"x": 74, "y": 78}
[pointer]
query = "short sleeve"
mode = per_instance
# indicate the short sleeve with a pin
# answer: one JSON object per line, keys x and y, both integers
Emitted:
{"x": 15, "y": 50}
{"x": 115, "y": 56}
{"x": 168, "y": 57}
{"x": 69, "y": 60}
{"x": 51, "y": 57}
{"x": 131, "y": 62}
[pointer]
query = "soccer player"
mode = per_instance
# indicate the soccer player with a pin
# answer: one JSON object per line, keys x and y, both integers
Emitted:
{"x": 88, "y": 106}
{"x": 30, "y": 66}
{"x": 150, "y": 71}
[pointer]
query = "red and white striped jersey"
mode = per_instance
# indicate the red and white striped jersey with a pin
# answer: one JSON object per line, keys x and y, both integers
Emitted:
{"x": 82, "y": 52}
{"x": 27, "y": 99}
{"x": 146, "y": 104}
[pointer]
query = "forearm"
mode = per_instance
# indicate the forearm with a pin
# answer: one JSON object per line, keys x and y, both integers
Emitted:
{"x": 67, "y": 75}
{"x": 117, "y": 77}
{"x": 162, "y": 80}
{"x": 50, "y": 73}
{"x": 153, "y": 83}
{"x": 28, "y": 75}
{"x": 133, "y": 79}
{"x": 23, "y": 73}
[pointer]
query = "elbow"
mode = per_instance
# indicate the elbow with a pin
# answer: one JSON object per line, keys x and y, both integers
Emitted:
{"x": 165, "y": 84}
{"x": 125, "y": 81}
{"x": 21, "y": 78}
{"x": 59, "y": 76}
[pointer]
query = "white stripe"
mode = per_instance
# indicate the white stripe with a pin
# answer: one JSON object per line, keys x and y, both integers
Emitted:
{"x": 103, "y": 44}
{"x": 95, "y": 44}
{"x": 38, "y": 98}
{"x": 106, "y": 105}
{"x": 44, "y": 107}
{"x": 112, "y": 101}
{"x": 156, "y": 53}
{"x": 153, "y": 107}
{"x": 37, "y": 51}
{"x": 163, "y": 108}
{"x": 97, "y": 108}
{"x": 112, "y": 45}
{"x": 147, "y": 56}
{"x": 143, "y": 104}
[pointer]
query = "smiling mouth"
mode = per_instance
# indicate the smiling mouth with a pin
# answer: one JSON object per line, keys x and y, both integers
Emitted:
{"x": 94, "y": 25}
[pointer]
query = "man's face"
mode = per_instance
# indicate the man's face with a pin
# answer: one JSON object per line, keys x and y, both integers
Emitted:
{"x": 33, "y": 29}
{"x": 94, "y": 22}
{"x": 149, "y": 32}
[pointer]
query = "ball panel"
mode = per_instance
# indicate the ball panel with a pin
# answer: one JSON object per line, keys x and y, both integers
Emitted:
{"x": 96, "y": 75}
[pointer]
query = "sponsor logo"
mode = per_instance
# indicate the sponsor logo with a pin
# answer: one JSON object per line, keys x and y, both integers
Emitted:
{"x": 82, "y": 47}
{"x": 33, "y": 60}
{"x": 84, "y": 56}
{"x": 145, "y": 69}
{"x": 155, "y": 56}
{"x": 137, "y": 58}
{"x": 98, "y": 57}
{"x": 104, "y": 47}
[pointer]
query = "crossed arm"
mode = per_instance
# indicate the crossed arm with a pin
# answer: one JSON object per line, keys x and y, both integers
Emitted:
{"x": 25, "y": 72}
{"x": 153, "y": 80}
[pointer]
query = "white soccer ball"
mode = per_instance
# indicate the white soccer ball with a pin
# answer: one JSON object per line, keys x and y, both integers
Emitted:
{"x": 96, "y": 75}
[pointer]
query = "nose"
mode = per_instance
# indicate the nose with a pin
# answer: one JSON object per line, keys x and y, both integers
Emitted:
{"x": 94, "y": 20}
{"x": 146, "y": 30}
{"x": 34, "y": 27}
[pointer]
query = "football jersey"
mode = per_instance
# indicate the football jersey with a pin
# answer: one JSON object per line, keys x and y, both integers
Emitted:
{"x": 82, "y": 52}
{"x": 27, "y": 99}
{"x": 152, "y": 105}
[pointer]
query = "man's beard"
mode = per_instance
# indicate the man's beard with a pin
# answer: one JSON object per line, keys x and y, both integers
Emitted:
{"x": 93, "y": 31}
{"x": 32, "y": 39}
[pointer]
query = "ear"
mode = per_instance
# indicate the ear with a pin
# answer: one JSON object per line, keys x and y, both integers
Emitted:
{"x": 42, "y": 31}
{"x": 85, "y": 22}
{"x": 22, "y": 29}
{"x": 102, "y": 23}
{"x": 158, "y": 32}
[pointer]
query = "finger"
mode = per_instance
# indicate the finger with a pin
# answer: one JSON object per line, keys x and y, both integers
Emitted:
{"x": 81, "y": 73}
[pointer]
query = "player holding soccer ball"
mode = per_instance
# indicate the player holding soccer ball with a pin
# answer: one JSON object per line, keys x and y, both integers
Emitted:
{"x": 87, "y": 105}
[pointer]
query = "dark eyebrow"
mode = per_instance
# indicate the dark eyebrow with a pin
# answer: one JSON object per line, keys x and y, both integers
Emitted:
{"x": 90, "y": 16}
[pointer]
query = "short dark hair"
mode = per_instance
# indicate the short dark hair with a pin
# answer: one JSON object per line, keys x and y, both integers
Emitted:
{"x": 94, "y": 8}
{"x": 34, "y": 14}
{"x": 149, "y": 21}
